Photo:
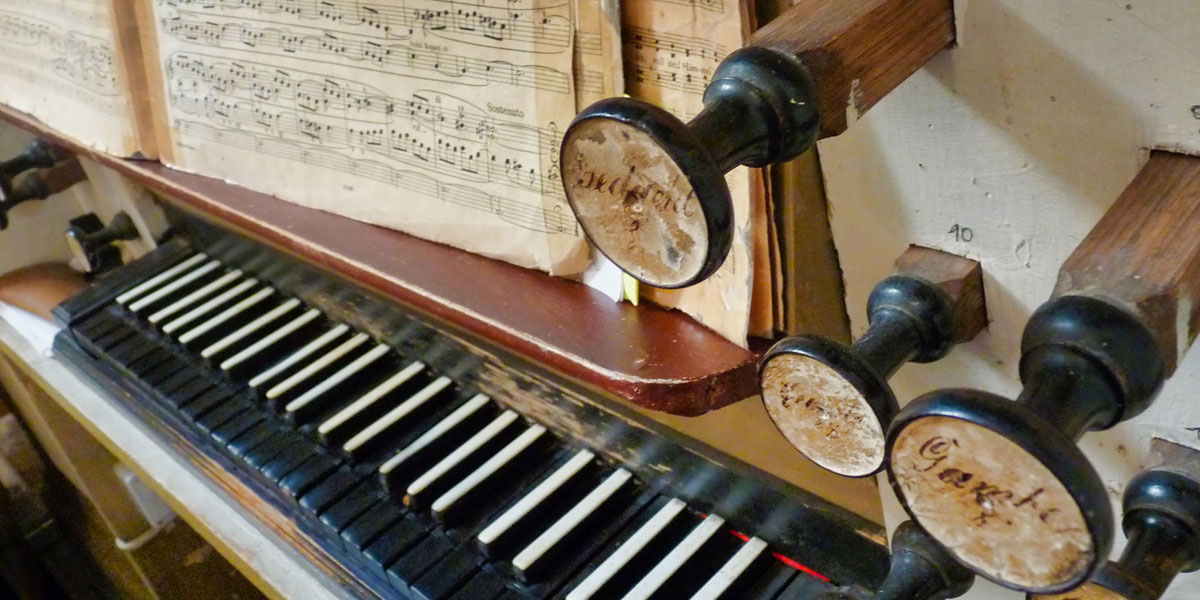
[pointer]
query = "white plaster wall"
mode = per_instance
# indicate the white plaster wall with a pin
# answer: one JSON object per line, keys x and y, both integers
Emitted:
{"x": 1024, "y": 133}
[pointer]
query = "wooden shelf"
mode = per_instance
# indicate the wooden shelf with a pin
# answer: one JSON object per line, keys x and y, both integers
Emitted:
{"x": 658, "y": 359}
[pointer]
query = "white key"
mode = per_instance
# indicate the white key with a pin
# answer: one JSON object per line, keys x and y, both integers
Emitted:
{"x": 196, "y": 296}
{"x": 451, "y": 420}
{"x": 249, "y": 328}
{"x": 675, "y": 558}
{"x": 618, "y": 559}
{"x": 342, "y": 374}
{"x": 489, "y": 468}
{"x": 730, "y": 571}
{"x": 312, "y": 368}
{"x": 299, "y": 355}
{"x": 568, "y": 522}
{"x": 174, "y": 286}
{"x": 483, "y": 436}
{"x": 228, "y": 314}
{"x": 276, "y": 335}
{"x": 535, "y": 497}
{"x": 371, "y": 397}
{"x": 145, "y": 286}
{"x": 229, "y": 294}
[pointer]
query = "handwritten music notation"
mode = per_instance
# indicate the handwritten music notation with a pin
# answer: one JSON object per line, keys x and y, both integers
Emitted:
{"x": 403, "y": 59}
{"x": 546, "y": 28}
{"x": 555, "y": 219}
{"x": 716, "y": 6}
{"x": 77, "y": 57}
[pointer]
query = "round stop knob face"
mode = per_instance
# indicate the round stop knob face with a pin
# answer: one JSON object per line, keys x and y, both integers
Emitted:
{"x": 992, "y": 504}
{"x": 1087, "y": 591}
{"x": 635, "y": 202}
{"x": 823, "y": 415}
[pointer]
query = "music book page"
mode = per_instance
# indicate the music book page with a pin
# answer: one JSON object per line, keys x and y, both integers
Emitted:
{"x": 63, "y": 62}
{"x": 671, "y": 48}
{"x": 439, "y": 118}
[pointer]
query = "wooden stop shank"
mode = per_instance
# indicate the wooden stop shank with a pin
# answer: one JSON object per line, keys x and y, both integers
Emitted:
{"x": 859, "y": 50}
{"x": 1144, "y": 254}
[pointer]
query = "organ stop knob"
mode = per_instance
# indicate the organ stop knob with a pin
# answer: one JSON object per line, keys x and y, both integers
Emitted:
{"x": 91, "y": 243}
{"x": 832, "y": 401}
{"x": 648, "y": 189}
{"x": 995, "y": 481}
{"x": 919, "y": 570}
{"x": 1162, "y": 525}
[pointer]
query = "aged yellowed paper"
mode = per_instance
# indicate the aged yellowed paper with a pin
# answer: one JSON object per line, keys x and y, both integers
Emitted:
{"x": 435, "y": 117}
{"x": 59, "y": 62}
{"x": 671, "y": 48}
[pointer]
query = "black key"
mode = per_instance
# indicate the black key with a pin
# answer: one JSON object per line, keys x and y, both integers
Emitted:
{"x": 143, "y": 365}
{"x": 219, "y": 415}
{"x": 549, "y": 573}
{"x": 236, "y": 426}
{"x": 414, "y": 563}
{"x": 445, "y": 577}
{"x": 191, "y": 391}
{"x": 183, "y": 377}
{"x": 707, "y": 559}
{"x": 251, "y": 438}
{"x": 98, "y": 325}
{"x": 485, "y": 585}
{"x": 478, "y": 506}
{"x": 371, "y": 523}
{"x": 164, "y": 371}
{"x": 774, "y": 579}
{"x": 204, "y": 403}
{"x": 113, "y": 338}
{"x": 352, "y": 506}
{"x": 393, "y": 543}
{"x": 332, "y": 489}
{"x": 285, "y": 463}
{"x": 133, "y": 348}
{"x": 260, "y": 455}
{"x": 675, "y": 522}
{"x": 307, "y": 475}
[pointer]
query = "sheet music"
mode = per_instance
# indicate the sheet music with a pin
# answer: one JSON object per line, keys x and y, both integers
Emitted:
{"x": 671, "y": 48}
{"x": 436, "y": 117}
{"x": 58, "y": 63}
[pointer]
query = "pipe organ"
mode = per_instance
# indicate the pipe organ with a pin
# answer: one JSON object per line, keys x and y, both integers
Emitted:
{"x": 1008, "y": 198}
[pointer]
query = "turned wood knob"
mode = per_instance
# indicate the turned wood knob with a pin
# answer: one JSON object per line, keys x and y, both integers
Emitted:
{"x": 919, "y": 570}
{"x": 1002, "y": 484}
{"x": 833, "y": 401}
{"x": 39, "y": 154}
{"x": 91, "y": 243}
{"x": 39, "y": 185}
{"x": 1162, "y": 524}
{"x": 649, "y": 190}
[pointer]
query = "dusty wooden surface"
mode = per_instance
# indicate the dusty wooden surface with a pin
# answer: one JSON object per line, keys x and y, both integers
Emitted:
{"x": 1145, "y": 253}
{"x": 857, "y": 51}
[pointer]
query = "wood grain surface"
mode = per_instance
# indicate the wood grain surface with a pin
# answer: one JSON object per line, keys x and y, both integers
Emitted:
{"x": 655, "y": 358}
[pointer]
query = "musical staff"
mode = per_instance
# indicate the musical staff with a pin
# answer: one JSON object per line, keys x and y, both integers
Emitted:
{"x": 74, "y": 56}
{"x": 552, "y": 219}
{"x": 405, "y": 59}
{"x": 716, "y": 6}
{"x": 540, "y": 28}
{"x": 428, "y": 130}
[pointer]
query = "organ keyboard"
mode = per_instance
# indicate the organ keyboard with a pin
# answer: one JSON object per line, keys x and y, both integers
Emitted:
{"x": 414, "y": 460}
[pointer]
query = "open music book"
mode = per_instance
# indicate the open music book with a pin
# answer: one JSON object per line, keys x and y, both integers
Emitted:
{"x": 440, "y": 118}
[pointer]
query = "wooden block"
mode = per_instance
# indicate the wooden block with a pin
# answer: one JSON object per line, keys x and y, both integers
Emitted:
{"x": 1144, "y": 254}
{"x": 961, "y": 279}
{"x": 859, "y": 50}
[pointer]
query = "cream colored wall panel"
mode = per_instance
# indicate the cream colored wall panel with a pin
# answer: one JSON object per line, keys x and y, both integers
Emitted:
{"x": 1008, "y": 149}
